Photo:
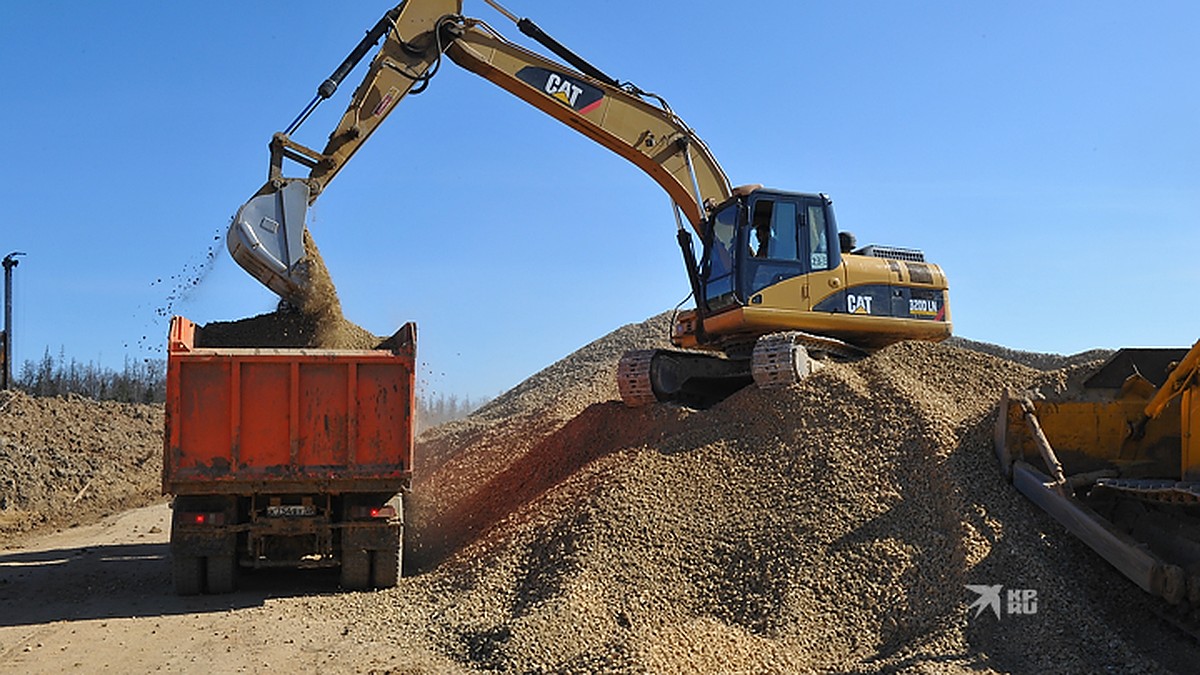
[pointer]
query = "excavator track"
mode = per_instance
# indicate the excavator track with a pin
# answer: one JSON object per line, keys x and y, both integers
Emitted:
{"x": 1181, "y": 497}
{"x": 702, "y": 379}
{"x": 694, "y": 379}
{"x": 633, "y": 378}
{"x": 783, "y": 359}
{"x": 1151, "y": 490}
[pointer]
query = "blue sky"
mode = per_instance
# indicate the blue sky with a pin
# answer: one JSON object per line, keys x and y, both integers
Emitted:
{"x": 1046, "y": 154}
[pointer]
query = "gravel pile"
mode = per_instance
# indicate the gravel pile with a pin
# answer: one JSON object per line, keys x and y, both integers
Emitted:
{"x": 829, "y": 526}
{"x": 286, "y": 327}
{"x": 69, "y": 460}
{"x": 1038, "y": 360}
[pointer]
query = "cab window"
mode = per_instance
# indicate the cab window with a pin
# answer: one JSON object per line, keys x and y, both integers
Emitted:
{"x": 718, "y": 263}
{"x": 818, "y": 237}
{"x": 773, "y": 231}
{"x": 773, "y": 244}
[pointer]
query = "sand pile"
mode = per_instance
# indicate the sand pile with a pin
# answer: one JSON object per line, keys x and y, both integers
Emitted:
{"x": 69, "y": 460}
{"x": 829, "y": 526}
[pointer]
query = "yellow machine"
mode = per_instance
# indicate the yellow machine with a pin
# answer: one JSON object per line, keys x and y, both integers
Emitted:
{"x": 1117, "y": 462}
{"x": 775, "y": 282}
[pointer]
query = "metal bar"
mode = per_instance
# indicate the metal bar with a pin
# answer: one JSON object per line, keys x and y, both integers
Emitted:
{"x": 507, "y": 14}
{"x": 330, "y": 85}
{"x": 235, "y": 412}
{"x": 352, "y": 414}
{"x": 10, "y": 261}
{"x": 685, "y": 146}
{"x": 1133, "y": 560}
{"x": 300, "y": 119}
{"x": 678, "y": 217}
{"x": 1179, "y": 378}
{"x": 1043, "y": 444}
{"x": 294, "y": 412}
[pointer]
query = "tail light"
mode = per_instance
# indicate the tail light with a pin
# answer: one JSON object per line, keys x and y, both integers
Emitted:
{"x": 369, "y": 512}
{"x": 216, "y": 518}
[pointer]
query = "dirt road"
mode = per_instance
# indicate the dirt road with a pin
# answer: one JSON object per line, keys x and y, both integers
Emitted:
{"x": 99, "y": 599}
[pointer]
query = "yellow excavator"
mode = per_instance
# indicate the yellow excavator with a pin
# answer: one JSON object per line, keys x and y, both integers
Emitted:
{"x": 1115, "y": 458}
{"x": 775, "y": 285}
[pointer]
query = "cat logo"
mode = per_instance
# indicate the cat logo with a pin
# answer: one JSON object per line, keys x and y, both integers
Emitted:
{"x": 562, "y": 89}
{"x": 578, "y": 95}
{"x": 858, "y": 304}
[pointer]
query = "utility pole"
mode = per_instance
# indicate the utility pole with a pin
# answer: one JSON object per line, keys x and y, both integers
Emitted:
{"x": 10, "y": 261}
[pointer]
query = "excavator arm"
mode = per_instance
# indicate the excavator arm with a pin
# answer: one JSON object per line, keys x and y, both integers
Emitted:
{"x": 266, "y": 237}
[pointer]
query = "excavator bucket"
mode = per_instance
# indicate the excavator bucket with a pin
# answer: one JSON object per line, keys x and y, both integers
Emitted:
{"x": 267, "y": 236}
{"x": 1116, "y": 477}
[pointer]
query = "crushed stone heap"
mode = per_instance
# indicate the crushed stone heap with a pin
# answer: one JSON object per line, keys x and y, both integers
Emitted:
{"x": 829, "y": 526}
{"x": 832, "y": 525}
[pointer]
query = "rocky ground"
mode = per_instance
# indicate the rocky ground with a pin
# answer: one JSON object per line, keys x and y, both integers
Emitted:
{"x": 830, "y": 526}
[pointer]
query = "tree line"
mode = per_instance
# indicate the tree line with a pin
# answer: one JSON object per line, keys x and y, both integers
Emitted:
{"x": 434, "y": 411}
{"x": 136, "y": 382}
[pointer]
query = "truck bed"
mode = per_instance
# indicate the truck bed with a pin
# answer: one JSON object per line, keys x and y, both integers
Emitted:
{"x": 246, "y": 421}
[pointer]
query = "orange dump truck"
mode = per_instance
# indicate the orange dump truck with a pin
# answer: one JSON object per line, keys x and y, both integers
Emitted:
{"x": 287, "y": 458}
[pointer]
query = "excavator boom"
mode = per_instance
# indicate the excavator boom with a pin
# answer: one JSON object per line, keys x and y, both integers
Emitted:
{"x": 266, "y": 236}
{"x": 775, "y": 283}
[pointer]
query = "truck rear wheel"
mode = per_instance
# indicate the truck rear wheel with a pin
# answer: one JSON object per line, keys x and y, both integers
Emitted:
{"x": 188, "y": 571}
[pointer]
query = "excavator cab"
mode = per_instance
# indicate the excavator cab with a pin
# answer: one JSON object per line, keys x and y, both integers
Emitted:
{"x": 774, "y": 261}
{"x": 764, "y": 238}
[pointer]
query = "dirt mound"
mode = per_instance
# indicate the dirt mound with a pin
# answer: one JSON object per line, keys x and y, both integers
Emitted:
{"x": 69, "y": 460}
{"x": 460, "y": 456}
{"x": 829, "y": 526}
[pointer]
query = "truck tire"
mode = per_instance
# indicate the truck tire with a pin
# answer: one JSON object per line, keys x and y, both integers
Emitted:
{"x": 222, "y": 573}
{"x": 385, "y": 566}
{"x": 356, "y": 570}
{"x": 188, "y": 571}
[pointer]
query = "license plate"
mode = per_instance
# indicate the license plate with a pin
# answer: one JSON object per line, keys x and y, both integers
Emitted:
{"x": 291, "y": 511}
